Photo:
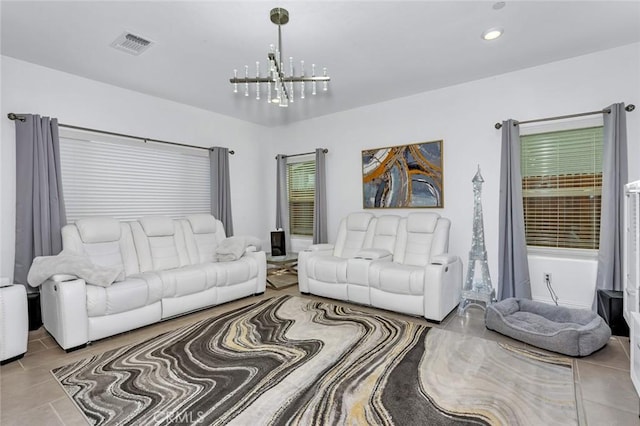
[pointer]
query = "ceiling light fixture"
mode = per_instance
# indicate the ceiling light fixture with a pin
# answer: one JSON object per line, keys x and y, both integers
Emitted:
{"x": 492, "y": 33}
{"x": 280, "y": 88}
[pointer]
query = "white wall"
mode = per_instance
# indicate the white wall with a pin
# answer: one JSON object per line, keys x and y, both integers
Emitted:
{"x": 464, "y": 116}
{"x": 28, "y": 88}
{"x": 579, "y": 271}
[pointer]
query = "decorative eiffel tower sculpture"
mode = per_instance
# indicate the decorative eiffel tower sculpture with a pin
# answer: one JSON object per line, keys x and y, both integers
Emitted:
{"x": 477, "y": 289}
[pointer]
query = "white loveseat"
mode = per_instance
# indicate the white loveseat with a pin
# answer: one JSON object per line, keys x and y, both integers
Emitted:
{"x": 169, "y": 268}
{"x": 390, "y": 262}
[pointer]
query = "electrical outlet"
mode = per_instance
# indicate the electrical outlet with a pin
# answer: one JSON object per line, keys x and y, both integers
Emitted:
{"x": 547, "y": 277}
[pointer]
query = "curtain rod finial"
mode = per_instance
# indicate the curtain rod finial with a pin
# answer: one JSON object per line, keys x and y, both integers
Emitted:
{"x": 498, "y": 126}
{"x": 14, "y": 116}
{"x": 212, "y": 148}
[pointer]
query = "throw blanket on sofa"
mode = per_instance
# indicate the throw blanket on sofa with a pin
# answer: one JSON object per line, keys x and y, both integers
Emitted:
{"x": 44, "y": 267}
{"x": 231, "y": 249}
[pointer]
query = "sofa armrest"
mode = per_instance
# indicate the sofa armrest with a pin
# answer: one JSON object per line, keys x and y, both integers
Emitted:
{"x": 64, "y": 311}
{"x": 443, "y": 285}
{"x": 59, "y": 278}
{"x": 373, "y": 254}
{"x": 261, "y": 262}
{"x": 320, "y": 247}
{"x": 303, "y": 256}
{"x": 443, "y": 259}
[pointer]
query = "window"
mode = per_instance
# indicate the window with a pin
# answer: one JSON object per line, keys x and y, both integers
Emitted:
{"x": 301, "y": 187}
{"x": 127, "y": 179}
{"x": 561, "y": 187}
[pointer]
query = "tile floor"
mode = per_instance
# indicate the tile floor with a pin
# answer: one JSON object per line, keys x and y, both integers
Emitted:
{"x": 30, "y": 396}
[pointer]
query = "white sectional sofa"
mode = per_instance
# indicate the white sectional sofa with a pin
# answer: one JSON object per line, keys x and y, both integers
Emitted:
{"x": 168, "y": 267}
{"x": 390, "y": 262}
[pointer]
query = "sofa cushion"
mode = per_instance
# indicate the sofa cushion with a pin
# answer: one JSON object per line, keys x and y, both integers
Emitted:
{"x": 358, "y": 221}
{"x": 202, "y": 233}
{"x": 202, "y": 223}
{"x": 395, "y": 278}
{"x": 186, "y": 280}
{"x": 417, "y": 236}
{"x": 328, "y": 269}
{"x": 164, "y": 253}
{"x": 358, "y": 271}
{"x": 123, "y": 296}
{"x": 98, "y": 229}
{"x": 156, "y": 250}
{"x": 424, "y": 223}
{"x": 354, "y": 233}
{"x": 231, "y": 273}
{"x": 418, "y": 249}
{"x": 157, "y": 226}
{"x": 385, "y": 233}
{"x": 94, "y": 238}
{"x": 206, "y": 246}
{"x": 106, "y": 255}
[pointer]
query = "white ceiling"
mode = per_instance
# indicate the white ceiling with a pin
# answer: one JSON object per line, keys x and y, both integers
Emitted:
{"x": 374, "y": 50}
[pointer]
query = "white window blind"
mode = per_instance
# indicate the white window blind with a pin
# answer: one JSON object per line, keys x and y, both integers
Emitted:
{"x": 127, "y": 179}
{"x": 561, "y": 187}
{"x": 301, "y": 187}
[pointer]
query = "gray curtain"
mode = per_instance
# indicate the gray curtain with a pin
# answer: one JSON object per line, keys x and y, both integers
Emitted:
{"x": 614, "y": 177}
{"x": 40, "y": 212}
{"x": 513, "y": 265}
{"x": 282, "y": 200}
{"x": 320, "y": 200}
{"x": 221, "y": 187}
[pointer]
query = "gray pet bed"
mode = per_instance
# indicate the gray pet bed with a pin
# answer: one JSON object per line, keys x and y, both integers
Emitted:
{"x": 574, "y": 332}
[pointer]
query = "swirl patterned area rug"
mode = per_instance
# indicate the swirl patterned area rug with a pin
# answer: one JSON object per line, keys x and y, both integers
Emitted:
{"x": 290, "y": 360}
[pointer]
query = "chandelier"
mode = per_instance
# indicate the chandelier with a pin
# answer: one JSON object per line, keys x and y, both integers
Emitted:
{"x": 281, "y": 87}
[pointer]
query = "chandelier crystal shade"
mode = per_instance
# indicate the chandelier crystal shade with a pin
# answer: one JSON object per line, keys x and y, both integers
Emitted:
{"x": 277, "y": 85}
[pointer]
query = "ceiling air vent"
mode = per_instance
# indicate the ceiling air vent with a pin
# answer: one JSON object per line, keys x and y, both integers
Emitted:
{"x": 131, "y": 43}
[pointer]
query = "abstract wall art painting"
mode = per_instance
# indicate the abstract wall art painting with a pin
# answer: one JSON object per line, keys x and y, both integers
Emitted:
{"x": 405, "y": 176}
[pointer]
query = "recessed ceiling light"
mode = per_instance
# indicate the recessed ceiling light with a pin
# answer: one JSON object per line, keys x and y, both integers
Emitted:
{"x": 492, "y": 33}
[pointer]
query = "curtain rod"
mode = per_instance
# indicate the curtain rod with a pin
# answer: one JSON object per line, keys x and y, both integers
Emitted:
{"x": 20, "y": 117}
{"x": 628, "y": 108}
{"x": 325, "y": 150}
